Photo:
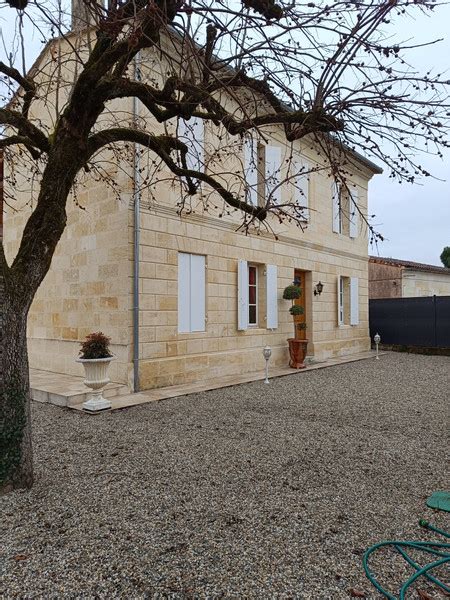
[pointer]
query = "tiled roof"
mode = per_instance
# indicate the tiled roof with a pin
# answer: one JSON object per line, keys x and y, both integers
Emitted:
{"x": 409, "y": 264}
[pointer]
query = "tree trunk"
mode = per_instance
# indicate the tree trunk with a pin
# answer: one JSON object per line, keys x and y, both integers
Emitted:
{"x": 18, "y": 286}
{"x": 16, "y": 460}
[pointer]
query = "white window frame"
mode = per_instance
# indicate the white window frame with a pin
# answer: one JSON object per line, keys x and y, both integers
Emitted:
{"x": 255, "y": 304}
{"x": 341, "y": 300}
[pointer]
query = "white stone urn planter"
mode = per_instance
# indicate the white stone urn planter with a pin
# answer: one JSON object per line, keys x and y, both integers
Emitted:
{"x": 96, "y": 373}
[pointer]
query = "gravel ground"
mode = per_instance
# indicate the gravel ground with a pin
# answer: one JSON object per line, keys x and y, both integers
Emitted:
{"x": 254, "y": 491}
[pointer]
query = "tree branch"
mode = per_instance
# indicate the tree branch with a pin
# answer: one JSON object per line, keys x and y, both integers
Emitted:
{"x": 163, "y": 145}
{"x": 25, "y": 82}
{"x": 25, "y": 128}
{"x": 197, "y": 95}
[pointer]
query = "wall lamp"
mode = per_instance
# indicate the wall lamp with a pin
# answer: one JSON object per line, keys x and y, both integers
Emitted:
{"x": 318, "y": 288}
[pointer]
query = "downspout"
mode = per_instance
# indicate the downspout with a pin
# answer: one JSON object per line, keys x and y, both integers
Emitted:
{"x": 136, "y": 235}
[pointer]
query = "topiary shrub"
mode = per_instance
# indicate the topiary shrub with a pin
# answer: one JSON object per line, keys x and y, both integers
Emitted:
{"x": 296, "y": 310}
{"x": 292, "y": 292}
{"x": 96, "y": 345}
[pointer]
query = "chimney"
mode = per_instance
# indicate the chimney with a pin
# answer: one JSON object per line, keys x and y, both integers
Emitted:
{"x": 83, "y": 14}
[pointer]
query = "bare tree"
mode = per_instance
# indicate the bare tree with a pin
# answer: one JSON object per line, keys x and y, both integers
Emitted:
{"x": 326, "y": 72}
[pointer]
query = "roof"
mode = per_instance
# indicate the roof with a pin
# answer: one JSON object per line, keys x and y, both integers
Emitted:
{"x": 409, "y": 265}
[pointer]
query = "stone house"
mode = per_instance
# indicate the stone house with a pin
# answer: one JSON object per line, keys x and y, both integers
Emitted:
{"x": 186, "y": 297}
{"x": 394, "y": 278}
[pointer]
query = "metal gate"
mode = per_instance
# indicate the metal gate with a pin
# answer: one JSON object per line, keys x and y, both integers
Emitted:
{"x": 422, "y": 322}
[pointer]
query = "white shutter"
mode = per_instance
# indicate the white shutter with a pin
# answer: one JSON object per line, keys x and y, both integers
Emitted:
{"x": 354, "y": 301}
{"x": 184, "y": 292}
{"x": 301, "y": 182}
{"x": 251, "y": 169}
{"x": 336, "y": 208}
{"x": 242, "y": 295}
{"x": 191, "y": 292}
{"x": 192, "y": 134}
{"x": 354, "y": 214}
{"x": 339, "y": 301}
{"x": 271, "y": 297}
{"x": 272, "y": 173}
{"x": 197, "y": 304}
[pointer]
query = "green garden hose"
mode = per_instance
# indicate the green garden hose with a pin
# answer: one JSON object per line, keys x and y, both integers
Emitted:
{"x": 440, "y": 552}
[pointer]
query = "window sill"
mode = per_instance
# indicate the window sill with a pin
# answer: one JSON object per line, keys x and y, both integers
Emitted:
{"x": 251, "y": 329}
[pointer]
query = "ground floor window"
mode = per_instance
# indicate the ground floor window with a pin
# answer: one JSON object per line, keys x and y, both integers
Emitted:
{"x": 253, "y": 295}
{"x": 257, "y": 299}
{"x": 348, "y": 300}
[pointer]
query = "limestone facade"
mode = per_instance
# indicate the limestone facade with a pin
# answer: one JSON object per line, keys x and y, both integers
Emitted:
{"x": 90, "y": 283}
{"x": 89, "y": 288}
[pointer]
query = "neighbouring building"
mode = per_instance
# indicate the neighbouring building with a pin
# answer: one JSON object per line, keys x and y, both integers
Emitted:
{"x": 209, "y": 296}
{"x": 394, "y": 278}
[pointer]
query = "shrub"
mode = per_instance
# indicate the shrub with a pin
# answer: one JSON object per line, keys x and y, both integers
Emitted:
{"x": 96, "y": 345}
{"x": 292, "y": 292}
{"x": 296, "y": 310}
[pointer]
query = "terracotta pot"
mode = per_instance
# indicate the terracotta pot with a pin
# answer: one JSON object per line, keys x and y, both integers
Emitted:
{"x": 297, "y": 353}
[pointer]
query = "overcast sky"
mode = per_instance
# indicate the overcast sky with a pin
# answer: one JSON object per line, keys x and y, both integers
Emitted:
{"x": 413, "y": 219}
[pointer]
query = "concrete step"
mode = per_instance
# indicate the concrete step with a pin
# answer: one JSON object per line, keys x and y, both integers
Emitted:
{"x": 66, "y": 390}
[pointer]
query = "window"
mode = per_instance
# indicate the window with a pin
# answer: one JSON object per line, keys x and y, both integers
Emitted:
{"x": 348, "y": 301}
{"x": 345, "y": 211}
{"x": 192, "y": 133}
{"x": 191, "y": 292}
{"x": 252, "y": 295}
{"x": 251, "y": 171}
{"x": 301, "y": 182}
{"x": 272, "y": 162}
{"x": 257, "y": 296}
{"x": 262, "y": 172}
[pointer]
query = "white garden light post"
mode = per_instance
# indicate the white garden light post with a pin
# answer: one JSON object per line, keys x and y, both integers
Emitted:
{"x": 267, "y": 353}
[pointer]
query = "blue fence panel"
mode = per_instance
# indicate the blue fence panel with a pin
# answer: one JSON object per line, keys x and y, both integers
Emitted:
{"x": 443, "y": 321}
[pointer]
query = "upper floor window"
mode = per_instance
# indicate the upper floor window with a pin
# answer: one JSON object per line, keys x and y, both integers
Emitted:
{"x": 262, "y": 171}
{"x": 345, "y": 210}
{"x": 301, "y": 182}
{"x": 192, "y": 133}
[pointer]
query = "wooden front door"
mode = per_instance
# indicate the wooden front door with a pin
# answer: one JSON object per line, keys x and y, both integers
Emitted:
{"x": 300, "y": 276}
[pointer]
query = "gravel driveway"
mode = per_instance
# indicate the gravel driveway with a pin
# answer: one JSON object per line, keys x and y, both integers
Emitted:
{"x": 254, "y": 491}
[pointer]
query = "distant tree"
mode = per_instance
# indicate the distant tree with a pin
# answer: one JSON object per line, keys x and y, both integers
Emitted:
{"x": 445, "y": 257}
{"x": 333, "y": 73}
